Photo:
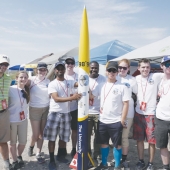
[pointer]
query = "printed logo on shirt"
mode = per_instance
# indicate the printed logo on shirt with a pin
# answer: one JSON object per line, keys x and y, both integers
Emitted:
{"x": 46, "y": 85}
{"x": 127, "y": 85}
{"x": 151, "y": 81}
{"x": 115, "y": 91}
{"x": 68, "y": 85}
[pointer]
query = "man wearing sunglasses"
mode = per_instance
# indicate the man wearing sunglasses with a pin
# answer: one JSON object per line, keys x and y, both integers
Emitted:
{"x": 114, "y": 105}
{"x": 5, "y": 81}
{"x": 162, "y": 127}
{"x": 70, "y": 75}
{"x": 144, "y": 126}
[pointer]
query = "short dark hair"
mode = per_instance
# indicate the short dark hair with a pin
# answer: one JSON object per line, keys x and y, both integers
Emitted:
{"x": 143, "y": 60}
{"x": 95, "y": 62}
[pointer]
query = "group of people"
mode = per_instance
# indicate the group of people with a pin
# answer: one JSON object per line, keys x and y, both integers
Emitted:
{"x": 52, "y": 108}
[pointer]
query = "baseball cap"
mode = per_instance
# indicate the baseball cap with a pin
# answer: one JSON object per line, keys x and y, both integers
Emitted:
{"x": 70, "y": 58}
{"x": 41, "y": 65}
{"x": 112, "y": 64}
{"x": 59, "y": 63}
{"x": 165, "y": 58}
{"x": 4, "y": 59}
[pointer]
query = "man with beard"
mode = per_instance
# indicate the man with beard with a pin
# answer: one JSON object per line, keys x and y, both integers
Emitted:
{"x": 59, "y": 119}
{"x": 96, "y": 82}
{"x": 5, "y": 81}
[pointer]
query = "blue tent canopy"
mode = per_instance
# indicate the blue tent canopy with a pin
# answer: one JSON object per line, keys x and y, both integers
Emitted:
{"x": 110, "y": 50}
{"x": 17, "y": 67}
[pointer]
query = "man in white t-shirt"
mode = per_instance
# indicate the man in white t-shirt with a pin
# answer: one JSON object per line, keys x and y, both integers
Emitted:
{"x": 162, "y": 121}
{"x": 95, "y": 84}
{"x": 59, "y": 119}
{"x": 114, "y": 105}
{"x": 144, "y": 125}
{"x": 70, "y": 75}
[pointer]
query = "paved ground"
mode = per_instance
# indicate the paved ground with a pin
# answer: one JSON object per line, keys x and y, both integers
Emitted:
{"x": 31, "y": 164}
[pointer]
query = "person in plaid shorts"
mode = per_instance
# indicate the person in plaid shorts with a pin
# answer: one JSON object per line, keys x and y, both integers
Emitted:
{"x": 59, "y": 119}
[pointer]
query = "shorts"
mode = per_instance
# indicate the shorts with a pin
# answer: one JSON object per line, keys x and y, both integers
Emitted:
{"x": 4, "y": 127}
{"x": 38, "y": 113}
{"x": 144, "y": 128}
{"x": 58, "y": 123}
{"x": 162, "y": 131}
{"x": 107, "y": 131}
{"x": 18, "y": 130}
{"x": 74, "y": 116}
{"x": 125, "y": 134}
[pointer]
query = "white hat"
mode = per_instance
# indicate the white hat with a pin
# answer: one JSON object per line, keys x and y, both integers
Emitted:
{"x": 4, "y": 58}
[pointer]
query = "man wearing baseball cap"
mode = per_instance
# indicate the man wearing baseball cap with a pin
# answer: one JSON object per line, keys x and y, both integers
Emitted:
{"x": 5, "y": 81}
{"x": 162, "y": 120}
{"x": 114, "y": 105}
{"x": 59, "y": 119}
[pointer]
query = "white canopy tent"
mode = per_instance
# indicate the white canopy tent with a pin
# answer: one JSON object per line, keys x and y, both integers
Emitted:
{"x": 154, "y": 51}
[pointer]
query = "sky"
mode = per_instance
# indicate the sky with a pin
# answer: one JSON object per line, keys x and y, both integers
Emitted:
{"x": 30, "y": 29}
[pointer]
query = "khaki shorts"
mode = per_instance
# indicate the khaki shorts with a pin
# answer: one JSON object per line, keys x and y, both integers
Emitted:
{"x": 4, "y": 127}
{"x": 125, "y": 134}
{"x": 38, "y": 113}
{"x": 18, "y": 130}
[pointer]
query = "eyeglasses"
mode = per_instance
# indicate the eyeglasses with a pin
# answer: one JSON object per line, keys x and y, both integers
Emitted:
{"x": 112, "y": 70}
{"x": 24, "y": 95}
{"x": 167, "y": 64}
{"x": 72, "y": 63}
{"x": 4, "y": 64}
{"x": 120, "y": 67}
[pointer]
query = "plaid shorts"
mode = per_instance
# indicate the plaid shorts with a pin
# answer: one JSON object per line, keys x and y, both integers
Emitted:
{"x": 144, "y": 128}
{"x": 58, "y": 123}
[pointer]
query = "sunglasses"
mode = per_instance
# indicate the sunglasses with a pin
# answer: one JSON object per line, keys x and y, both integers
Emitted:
{"x": 4, "y": 64}
{"x": 112, "y": 70}
{"x": 167, "y": 64}
{"x": 70, "y": 63}
{"x": 120, "y": 67}
{"x": 24, "y": 95}
{"x": 43, "y": 70}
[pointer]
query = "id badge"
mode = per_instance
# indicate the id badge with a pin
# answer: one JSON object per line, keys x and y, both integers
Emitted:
{"x": 4, "y": 104}
{"x": 101, "y": 110}
{"x": 22, "y": 115}
{"x": 91, "y": 102}
{"x": 143, "y": 106}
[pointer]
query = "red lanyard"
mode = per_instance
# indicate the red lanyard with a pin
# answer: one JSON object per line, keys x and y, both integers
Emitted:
{"x": 145, "y": 88}
{"x": 94, "y": 84}
{"x": 63, "y": 88}
{"x": 34, "y": 84}
{"x": 107, "y": 93}
{"x": 21, "y": 102}
{"x": 2, "y": 89}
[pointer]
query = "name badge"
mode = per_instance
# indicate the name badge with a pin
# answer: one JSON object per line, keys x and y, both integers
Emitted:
{"x": 4, "y": 104}
{"x": 22, "y": 115}
{"x": 143, "y": 106}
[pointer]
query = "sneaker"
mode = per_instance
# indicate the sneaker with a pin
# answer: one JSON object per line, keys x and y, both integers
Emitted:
{"x": 113, "y": 163}
{"x": 150, "y": 167}
{"x": 62, "y": 159}
{"x": 102, "y": 167}
{"x": 73, "y": 152}
{"x": 30, "y": 151}
{"x": 140, "y": 166}
{"x": 40, "y": 159}
{"x": 15, "y": 166}
{"x": 9, "y": 167}
{"x": 20, "y": 161}
{"x": 52, "y": 166}
{"x": 117, "y": 168}
{"x": 125, "y": 165}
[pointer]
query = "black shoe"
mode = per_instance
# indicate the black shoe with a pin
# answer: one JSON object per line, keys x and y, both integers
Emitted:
{"x": 9, "y": 167}
{"x": 140, "y": 165}
{"x": 15, "y": 165}
{"x": 73, "y": 152}
{"x": 30, "y": 151}
{"x": 102, "y": 167}
{"x": 40, "y": 159}
{"x": 62, "y": 159}
{"x": 20, "y": 161}
{"x": 52, "y": 166}
{"x": 150, "y": 167}
{"x": 125, "y": 165}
